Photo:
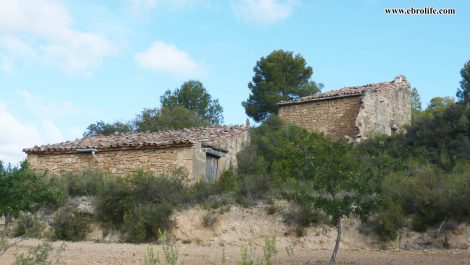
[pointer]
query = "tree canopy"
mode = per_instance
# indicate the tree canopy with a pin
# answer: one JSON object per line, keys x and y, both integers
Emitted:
{"x": 329, "y": 170}
{"x": 463, "y": 94}
{"x": 103, "y": 128}
{"x": 188, "y": 106}
{"x": 23, "y": 190}
{"x": 439, "y": 104}
{"x": 167, "y": 119}
{"x": 279, "y": 76}
{"x": 415, "y": 100}
{"x": 193, "y": 96}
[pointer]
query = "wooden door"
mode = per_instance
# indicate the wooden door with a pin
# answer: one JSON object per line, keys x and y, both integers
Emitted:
{"x": 211, "y": 168}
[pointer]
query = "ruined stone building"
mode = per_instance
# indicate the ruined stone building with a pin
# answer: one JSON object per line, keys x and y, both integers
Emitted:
{"x": 203, "y": 152}
{"x": 353, "y": 112}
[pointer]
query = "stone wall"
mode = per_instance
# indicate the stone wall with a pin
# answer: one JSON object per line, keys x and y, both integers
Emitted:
{"x": 384, "y": 112}
{"x": 231, "y": 144}
{"x": 117, "y": 162}
{"x": 334, "y": 117}
{"x": 160, "y": 161}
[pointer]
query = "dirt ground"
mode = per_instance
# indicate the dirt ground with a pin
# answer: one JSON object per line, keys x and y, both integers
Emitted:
{"x": 235, "y": 226}
{"x": 115, "y": 253}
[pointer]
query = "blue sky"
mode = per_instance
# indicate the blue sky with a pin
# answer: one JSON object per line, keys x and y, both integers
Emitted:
{"x": 66, "y": 64}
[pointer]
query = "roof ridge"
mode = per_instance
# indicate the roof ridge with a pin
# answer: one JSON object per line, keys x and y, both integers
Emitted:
{"x": 143, "y": 139}
{"x": 349, "y": 91}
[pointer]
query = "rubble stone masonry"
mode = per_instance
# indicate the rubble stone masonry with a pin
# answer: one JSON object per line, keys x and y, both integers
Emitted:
{"x": 335, "y": 117}
{"x": 161, "y": 161}
{"x": 355, "y": 113}
{"x": 116, "y": 162}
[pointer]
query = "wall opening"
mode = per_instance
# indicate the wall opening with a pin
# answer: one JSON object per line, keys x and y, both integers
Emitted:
{"x": 211, "y": 168}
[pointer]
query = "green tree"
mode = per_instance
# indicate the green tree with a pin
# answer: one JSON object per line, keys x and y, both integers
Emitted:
{"x": 438, "y": 104}
{"x": 168, "y": 119}
{"x": 193, "y": 96}
{"x": 100, "y": 127}
{"x": 23, "y": 190}
{"x": 340, "y": 183}
{"x": 463, "y": 94}
{"x": 415, "y": 100}
{"x": 279, "y": 76}
{"x": 329, "y": 170}
{"x": 415, "y": 104}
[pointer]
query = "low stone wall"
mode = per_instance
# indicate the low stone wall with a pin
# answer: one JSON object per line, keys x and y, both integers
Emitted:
{"x": 334, "y": 117}
{"x": 117, "y": 162}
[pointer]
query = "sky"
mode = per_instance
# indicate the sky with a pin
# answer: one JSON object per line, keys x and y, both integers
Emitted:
{"x": 66, "y": 64}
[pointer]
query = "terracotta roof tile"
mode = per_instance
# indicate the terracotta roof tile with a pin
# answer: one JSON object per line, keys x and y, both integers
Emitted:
{"x": 399, "y": 82}
{"x": 141, "y": 140}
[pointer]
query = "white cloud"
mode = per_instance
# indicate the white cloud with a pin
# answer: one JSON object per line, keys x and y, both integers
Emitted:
{"x": 263, "y": 11}
{"x": 44, "y": 28}
{"x": 17, "y": 47}
{"x": 48, "y": 109}
{"x": 166, "y": 58}
{"x": 143, "y": 5}
{"x": 43, "y": 115}
{"x": 17, "y": 135}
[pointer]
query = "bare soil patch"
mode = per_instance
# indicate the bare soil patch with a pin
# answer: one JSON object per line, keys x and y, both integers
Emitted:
{"x": 114, "y": 253}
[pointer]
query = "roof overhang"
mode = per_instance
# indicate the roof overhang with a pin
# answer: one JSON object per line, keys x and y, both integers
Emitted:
{"x": 293, "y": 102}
{"x": 58, "y": 151}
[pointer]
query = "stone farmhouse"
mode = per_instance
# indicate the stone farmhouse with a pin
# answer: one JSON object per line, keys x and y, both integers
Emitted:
{"x": 203, "y": 152}
{"x": 353, "y": 112}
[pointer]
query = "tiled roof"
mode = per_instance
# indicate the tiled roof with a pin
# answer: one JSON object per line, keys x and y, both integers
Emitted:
{"x": 399, "y": 82}
{"x": 141, "y": 140}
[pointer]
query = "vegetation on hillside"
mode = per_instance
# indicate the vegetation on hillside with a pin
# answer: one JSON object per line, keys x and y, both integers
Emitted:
{"x": 417, "y": 179}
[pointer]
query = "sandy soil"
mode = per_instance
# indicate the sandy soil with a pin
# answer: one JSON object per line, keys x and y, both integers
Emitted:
{"x": 233, "y": 227}
{"x": 114, "y": 253}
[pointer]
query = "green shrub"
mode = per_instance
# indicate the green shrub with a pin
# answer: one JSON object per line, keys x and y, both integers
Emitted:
{"x": 112, "y": 201}
{"x": 446, "y": 243}
{"x": 141, "y": 204}
{"x": 36, "y": 255}
{"x": 142, "y": 222}
{"x": 59, "y": 189}
{"x": 86, "y": 183}
{"x": 246, "y": 257}
{"x": 199, "y": 192}
{"x": 429, "y": 194}
{"x": 389, "y": 220}
{"x": 29, "y": 225}
{"x": 269, "y": 249}
{"x": 170, "y": 253}
{"x": 170, "y": 249}
{"x": 157, "y": 189}
{"x": 271, "y": 209}
{"x": 151, "y": 257}
{"x": 307, "y": 214}
{"x": 457, "y": 192}
{"x": 255, "y": 186}
{"x": 250, "y": 162}
{"x": 228, "y": 182}
{"x": 69, "y": 224}
{"x": 209, "y": 218}
{"x": 22, "y": 189}
{"x": 300, "y": 231}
